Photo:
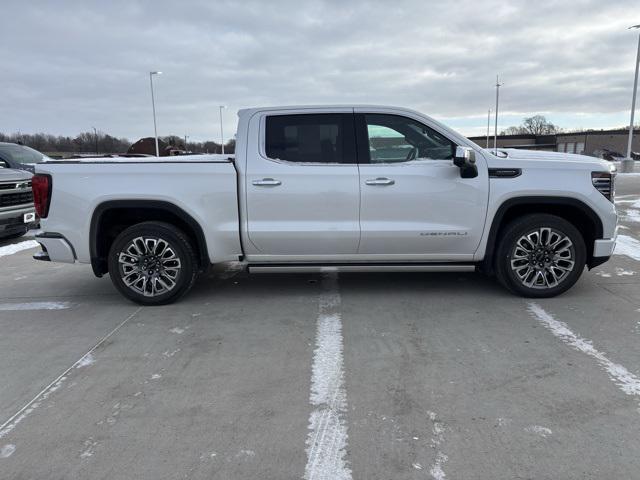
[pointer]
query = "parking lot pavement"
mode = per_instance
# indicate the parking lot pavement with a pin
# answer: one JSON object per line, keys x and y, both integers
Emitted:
{"x": 383, "y": 376}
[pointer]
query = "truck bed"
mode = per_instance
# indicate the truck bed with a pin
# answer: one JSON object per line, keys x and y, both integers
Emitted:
{"x": 203, "y": 187}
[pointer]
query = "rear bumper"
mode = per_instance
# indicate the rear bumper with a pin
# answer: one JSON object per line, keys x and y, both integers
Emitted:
{"x": 57, "y": 248}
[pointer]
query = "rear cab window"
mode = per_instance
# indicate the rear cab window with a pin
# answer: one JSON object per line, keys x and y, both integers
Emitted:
{"x": 324, "y": 138}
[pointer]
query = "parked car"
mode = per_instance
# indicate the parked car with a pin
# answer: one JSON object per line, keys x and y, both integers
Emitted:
{"x": 20, "y": 157}
{"x": 306, "y": 192}
{"x": 17, "y": 212}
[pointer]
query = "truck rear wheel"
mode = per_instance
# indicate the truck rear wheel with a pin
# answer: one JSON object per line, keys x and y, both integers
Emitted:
{"x": 152, "y": 263}
{"x": 540, "y": 255}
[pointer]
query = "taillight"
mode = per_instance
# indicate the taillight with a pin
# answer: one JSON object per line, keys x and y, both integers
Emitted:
{"x": 41, "y": 185}
{"x": 604, "y": 183}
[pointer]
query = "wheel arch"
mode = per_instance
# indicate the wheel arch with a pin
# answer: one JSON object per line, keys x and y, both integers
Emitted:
{"x": 575, "y": 211}
{"x": 113, "y": 216}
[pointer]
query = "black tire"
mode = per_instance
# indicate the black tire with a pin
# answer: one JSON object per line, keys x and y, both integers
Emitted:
{"x": 182, "y": 260}
{"x": 547, "y": 284}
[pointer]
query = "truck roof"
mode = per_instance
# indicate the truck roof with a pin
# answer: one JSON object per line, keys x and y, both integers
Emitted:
{"x": 252, "y": 110}
{"x": 204, "y": 158}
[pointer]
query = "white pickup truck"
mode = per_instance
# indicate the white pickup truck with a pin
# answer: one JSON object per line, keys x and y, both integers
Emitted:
{"x": 331, "y": 188}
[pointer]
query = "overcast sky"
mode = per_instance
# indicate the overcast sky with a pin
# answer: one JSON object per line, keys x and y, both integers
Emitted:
{"x": 70, "y": 65}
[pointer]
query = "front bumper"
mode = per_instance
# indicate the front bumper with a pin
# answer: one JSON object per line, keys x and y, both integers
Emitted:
{"x": 13, "y": 220}
{"x": 602, "y": 251}
{"x": 604, "y": 247}
{"x": 55, "y": 248}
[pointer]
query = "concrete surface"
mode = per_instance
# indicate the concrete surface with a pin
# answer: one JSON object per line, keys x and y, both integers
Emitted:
{"x": 445, "y": 376}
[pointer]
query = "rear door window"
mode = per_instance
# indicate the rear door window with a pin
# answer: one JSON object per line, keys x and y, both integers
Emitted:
{"x": 311, "y": 138}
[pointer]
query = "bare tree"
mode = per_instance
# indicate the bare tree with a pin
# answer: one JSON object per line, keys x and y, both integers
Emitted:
{"x": 539, "y": 125}
{"x": 513, "y": 131}
{"x": 536, "y": 125}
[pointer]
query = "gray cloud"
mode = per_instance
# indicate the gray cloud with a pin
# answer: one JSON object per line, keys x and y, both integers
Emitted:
{"x": 75, "y": 64}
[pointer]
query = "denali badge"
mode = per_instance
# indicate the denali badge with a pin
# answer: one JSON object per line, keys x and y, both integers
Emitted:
{"x": 443, "y": 234}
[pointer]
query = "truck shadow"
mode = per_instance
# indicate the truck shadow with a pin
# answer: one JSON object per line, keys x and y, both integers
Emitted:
{"x": 243, "y": 284}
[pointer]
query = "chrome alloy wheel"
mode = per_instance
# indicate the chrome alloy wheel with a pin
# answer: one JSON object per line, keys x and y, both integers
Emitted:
{"x": 149, "y": 266}
{"x": 543, "y": 258}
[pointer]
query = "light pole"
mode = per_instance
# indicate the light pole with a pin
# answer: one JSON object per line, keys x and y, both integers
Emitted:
{"x": 495, "y": 133}
{"x": 153, "y": 105}
{"x": 185, "y": 142}
{"x": 95, "y": 136}
{"x": 488, "y": 122}
{"x": 627, "y": 163}
{"x": 222, "y": 107}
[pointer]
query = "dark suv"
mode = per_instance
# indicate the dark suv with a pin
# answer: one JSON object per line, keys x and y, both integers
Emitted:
{"x": 17, "y": 213}
{"x": 17, "y": 156}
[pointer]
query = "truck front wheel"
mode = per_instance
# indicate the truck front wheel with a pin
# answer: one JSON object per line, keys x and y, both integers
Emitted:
{"x": 152, "y": 263}
{"x": 540, "y": 255}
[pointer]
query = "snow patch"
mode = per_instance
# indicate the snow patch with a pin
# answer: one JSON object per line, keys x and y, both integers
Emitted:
{"x": 631, "y": 215}
{"x": 7, "y": 450}
{"x": 243, "y": 454}
{"x": 327, "y": 437}
{"x": 544, "y": 432}
{"x": 503, "y": 422}
{"x": 18, "y": 247}
{"x": 12, "y": 307}
{"x": 623, "y": 378}
{"x": 629, "y": 246}
{"x": 621, "y": 272}
{"x": 89, "y": 448}
{"x": 86, "y": 361}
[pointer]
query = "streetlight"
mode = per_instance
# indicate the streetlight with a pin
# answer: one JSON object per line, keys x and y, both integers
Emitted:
{"x": 95, "y": 136}
{"x": 488, "y": 122}
{"x": 185, "y": 142}
{"x": 627, "y": 163}
{"x": 495, "y": 133}
{"x": 153, "y": 105}
{"x": 222, "y": 107}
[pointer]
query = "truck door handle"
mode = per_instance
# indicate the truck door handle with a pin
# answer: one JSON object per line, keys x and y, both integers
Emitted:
{"x": 267, "y": 182}
{"x": 380, "y": 181}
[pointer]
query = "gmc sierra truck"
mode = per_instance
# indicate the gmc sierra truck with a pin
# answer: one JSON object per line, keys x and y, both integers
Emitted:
{"x": 332, "y": 188}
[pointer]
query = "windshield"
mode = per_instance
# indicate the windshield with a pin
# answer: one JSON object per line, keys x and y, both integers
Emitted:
{"x": 21, "y": 154}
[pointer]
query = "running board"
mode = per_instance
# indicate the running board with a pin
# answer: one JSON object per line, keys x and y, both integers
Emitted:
{"x": 407, "y": 267}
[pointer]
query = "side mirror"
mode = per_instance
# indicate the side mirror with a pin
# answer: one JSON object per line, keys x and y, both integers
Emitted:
{"x": 465, "y": 160}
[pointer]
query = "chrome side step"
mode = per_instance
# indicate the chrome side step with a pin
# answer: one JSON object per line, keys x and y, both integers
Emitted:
{"x": 407, "y": 267}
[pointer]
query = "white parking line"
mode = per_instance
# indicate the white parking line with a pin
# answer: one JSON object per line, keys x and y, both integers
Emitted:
{"x": 437, "y": 471}
{"x": 12, "y": 307}
{"x": 18, "y": 247}
{"x": 327, "y": 437}
{"x": 8, "y": 426}
{"x": 623, "y": 378}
